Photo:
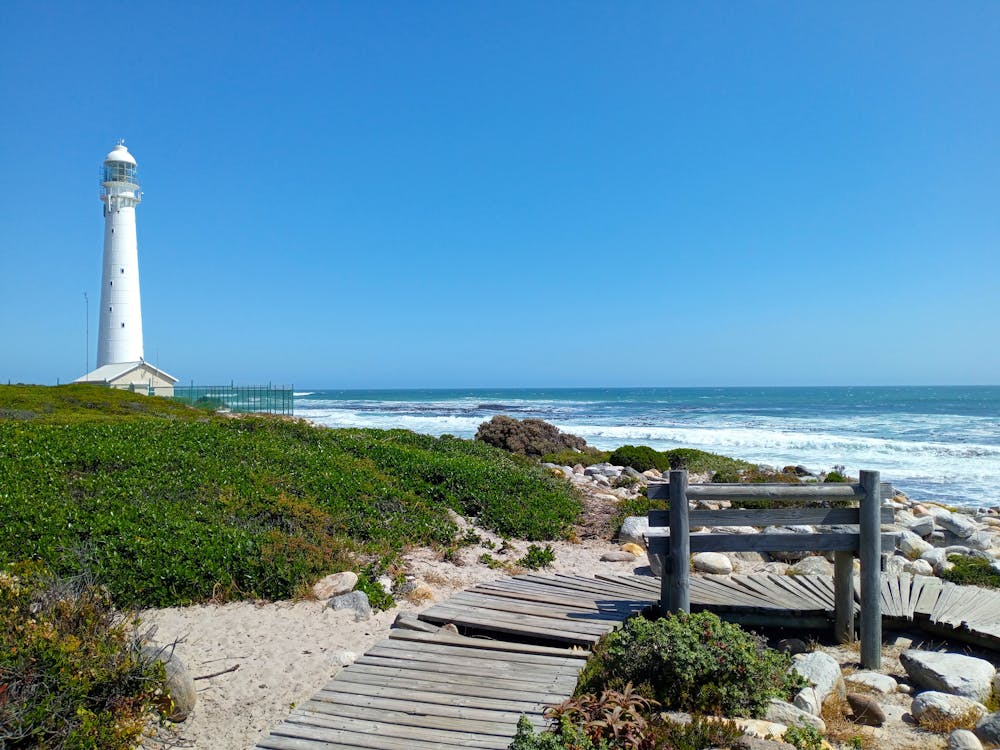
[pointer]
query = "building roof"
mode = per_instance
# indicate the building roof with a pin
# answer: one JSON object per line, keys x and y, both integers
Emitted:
{"x": 120, "y": 153}
{"x": 108, "y": 373}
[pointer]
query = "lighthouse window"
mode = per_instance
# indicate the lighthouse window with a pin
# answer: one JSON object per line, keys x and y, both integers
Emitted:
{"x": 123, "y": 270}
{"x": 109, "y": 309}
{"x": 123, "y": 325}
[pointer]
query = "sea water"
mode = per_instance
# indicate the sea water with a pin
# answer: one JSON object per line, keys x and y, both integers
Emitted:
{"x": 934, "y": 443}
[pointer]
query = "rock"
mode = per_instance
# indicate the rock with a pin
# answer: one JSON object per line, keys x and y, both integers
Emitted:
{"x": 634, "y": 530}
{"x": 792, "y": 646}
{"x": 958, "y": 524}
{"x": 919, "y": 568}
{"x": 901, "y": 641}
{"x": 988, "y": 729}
{"x": 450, "y": 627}
{"x": 880, "y": 683}
{"x": 785, "y": 713}
{"x": 866, "y": 710}
{"x": 789, "y": 557}
{"x": 812, "y": 566}
{"x": 712, "y": 562}
{"x": 894, "y": 565}
{"x": 354, "y": 600}
{"x": 808, "y": 700}
{"x": 823, "y": 673}
{"x": 911, "y": 545}
{"x": 956, "y": 674}
{"x": 922, "y": 527}
{"x": 652, "y": 474}
{"x": 932, "y": 707}
{"x": 963, "y": 739}
{"x": 759, "y": 743}
{"x": 343, "y": 658}
{"x": 760, "y": 728}
{"x": 634, "y": 548}
{"x": 335, "y": 584}
{"x": 386, "y": 583}
{"x": 181, "y": 694}
{"x": 979, "y": 540}
{"x": 618, "y": 556}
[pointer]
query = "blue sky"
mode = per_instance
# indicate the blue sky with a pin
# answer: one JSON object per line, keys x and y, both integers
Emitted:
{"x": 459, "y": 194}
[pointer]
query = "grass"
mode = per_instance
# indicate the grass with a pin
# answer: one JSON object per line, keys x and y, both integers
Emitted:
{"x": 972, "y": 571}
{"x": 167, "y": 505}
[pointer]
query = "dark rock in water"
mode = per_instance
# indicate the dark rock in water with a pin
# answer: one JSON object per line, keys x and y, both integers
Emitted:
{"x": 866, "y": 710}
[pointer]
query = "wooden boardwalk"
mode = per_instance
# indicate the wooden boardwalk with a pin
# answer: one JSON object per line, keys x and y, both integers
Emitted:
{"x": 418, "y": 691}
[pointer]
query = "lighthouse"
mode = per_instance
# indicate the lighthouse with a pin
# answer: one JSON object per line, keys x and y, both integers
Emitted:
{"x": 120, "y": 361}
{"x": 119, "y": 338}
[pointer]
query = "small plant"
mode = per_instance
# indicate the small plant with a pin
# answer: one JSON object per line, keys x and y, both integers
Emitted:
{"x": 695, "y": 663}
{"x": 537, "y": 558}
{"x": 491, "y": 562}
{"x": 378, "y": 597}
{"x": 972, "y": 571}
{"x": 72, "y": 670}
{"x": 529, "y": 437}
{"x": 804, "y": 737}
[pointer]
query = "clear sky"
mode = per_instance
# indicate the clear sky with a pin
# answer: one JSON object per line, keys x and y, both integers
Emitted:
{"x": 368, "y": 194}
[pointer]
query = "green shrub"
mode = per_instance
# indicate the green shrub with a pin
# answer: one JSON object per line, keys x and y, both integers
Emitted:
{"x": 694, "y": 663}
{"x": 972, "y": 571}
{"x": 72, "y": 673}
{"x": 587, "y": 457}
{"x": 536, "y": 557}
{"x": 640, "y": 458}
{"x": 804, "y": 737}
{"x": 529, "y": 437}
{"x": 190, "y": 506}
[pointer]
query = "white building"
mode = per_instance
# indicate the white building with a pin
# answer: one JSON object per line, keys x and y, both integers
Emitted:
{"x": 119, "y": 337}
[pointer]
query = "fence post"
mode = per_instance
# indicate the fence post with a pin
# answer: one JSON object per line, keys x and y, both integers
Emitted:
{"x": 680, "y": 545}
{"x": 871, "y": 571}
{"x": 843, "y": 596}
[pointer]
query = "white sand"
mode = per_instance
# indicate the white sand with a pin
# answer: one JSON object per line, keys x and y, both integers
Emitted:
{"x": 287, "y": 651}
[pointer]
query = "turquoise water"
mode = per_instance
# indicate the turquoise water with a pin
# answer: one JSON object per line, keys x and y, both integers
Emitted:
{"x": 940, "y": 443}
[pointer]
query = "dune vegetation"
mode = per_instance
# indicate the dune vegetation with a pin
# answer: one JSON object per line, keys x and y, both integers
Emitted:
{"x": 165, "y": 504}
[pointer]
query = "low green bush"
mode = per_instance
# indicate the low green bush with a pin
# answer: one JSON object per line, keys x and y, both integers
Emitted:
{"x": 586, "y": 457}
{"x": 972, "y": 571}
{"x": 695, "y": 663}
{"x": 640, "y": 458}
{"x": 537, "y": 558}
{"x": 72, "y": 672}
{"x": 169, "y": 505}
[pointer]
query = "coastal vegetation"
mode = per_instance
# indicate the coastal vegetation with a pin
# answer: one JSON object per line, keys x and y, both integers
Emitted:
{"x": 72, "y": 671}
{"x": 165, "y": 504}
{"x": 972, "y": 571}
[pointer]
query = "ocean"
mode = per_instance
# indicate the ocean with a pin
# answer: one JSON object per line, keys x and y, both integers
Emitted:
{"x": 934, "y": 443}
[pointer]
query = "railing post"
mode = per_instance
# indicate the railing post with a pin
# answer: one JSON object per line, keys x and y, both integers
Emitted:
{"x": 679, "y": 599}
{"x": 871, "y": 571}
{"x": 843, "y": 596}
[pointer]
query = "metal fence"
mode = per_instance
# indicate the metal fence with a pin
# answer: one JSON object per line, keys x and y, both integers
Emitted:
{"x": 249, "y": 399}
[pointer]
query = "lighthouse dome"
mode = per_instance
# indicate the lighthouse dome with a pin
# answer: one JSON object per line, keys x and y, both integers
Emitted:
{"x": 121, "y": 154}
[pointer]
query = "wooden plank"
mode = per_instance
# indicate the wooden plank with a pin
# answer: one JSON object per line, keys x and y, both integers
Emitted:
{"x": 481, "y": 615}
{"x": 374, "y": 736}
{"x": 385, "y": 678}
{"x": 905, "y": 582}
{"x": 373, "y": 668}
{"x": 479, "y": 656}
{"x": 517, "y": 627}
{"x": 486, "y": 644}
{"x": 509, "y": 673}
{"x": 768, "y": 517}
{"x": 775, "y": 492}
{"x": 929, "y": 592}
{"x": 351, "y": 702}
{"x": 395, "y": 690}
{"x": 333, "y": 711}
{"x": 843, "y": 594}
{"x": 477, "y": 600}
{"x": 273, "y": 742}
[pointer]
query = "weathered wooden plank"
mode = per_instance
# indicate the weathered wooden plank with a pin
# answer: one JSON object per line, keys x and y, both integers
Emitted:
{"x": 386, "y": 678}
{"x": 768, "y": 517}
{"x": 486, "y": 644}
{"x": 334, "y": 711}
{"x": 428, "y": 671}
{"x": 479, "y": 656}
{"x": 843, "y": 594}
{"x": 274, "y": 742}
{"x": 350, "y": 702}
{"x": 457, "y": 673}
{"x": 375, "y": 736}
{"x": 409, "y": 692}
{"x": 526, "y": 623}
{"x": 776, "y": 492}
{"x": 485, "y": 601}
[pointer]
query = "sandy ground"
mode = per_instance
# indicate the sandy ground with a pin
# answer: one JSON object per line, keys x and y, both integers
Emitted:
{"x": 284, "y": 652}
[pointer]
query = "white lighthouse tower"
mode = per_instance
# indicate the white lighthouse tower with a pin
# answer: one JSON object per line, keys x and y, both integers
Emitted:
{"x": 120, "y": 360}
{"x": 119, "y": 338}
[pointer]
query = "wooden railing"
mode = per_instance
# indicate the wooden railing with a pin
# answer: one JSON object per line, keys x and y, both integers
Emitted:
{"x": 868, "y": 541}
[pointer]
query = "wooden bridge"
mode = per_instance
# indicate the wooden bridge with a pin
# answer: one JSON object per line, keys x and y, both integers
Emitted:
{"x": 424, "y": 691}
